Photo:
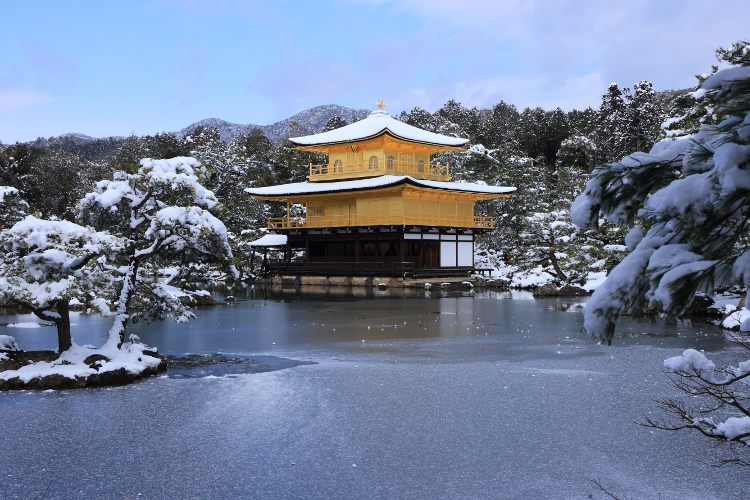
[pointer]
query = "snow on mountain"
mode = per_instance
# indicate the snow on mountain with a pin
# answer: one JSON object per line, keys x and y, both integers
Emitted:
{"x": 307, "y": 122}
{"x": 227, "y": 129}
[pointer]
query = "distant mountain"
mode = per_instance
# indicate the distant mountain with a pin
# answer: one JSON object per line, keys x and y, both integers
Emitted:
{"x": 307, "y": 122}
{"x": 227, "y": 129}
{"x": 311, "y": 121}
{"x": 85, "y": 146}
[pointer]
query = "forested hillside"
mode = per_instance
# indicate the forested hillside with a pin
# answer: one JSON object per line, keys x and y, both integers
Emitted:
{"x": 547, "y": 154}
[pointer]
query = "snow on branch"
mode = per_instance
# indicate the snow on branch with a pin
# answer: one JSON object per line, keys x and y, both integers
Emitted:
{"x": 688, "y": 202}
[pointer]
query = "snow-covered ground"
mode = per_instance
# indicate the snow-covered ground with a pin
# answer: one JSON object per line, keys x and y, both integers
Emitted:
{"x": 72, "y": 362}
{"x": 532, "y": 278}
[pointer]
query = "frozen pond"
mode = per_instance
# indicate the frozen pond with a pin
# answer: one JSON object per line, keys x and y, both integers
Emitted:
{"x": 491, "y": 395}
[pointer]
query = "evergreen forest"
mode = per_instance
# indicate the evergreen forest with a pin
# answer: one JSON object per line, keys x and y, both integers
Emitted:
{"x": 547, "y": 154}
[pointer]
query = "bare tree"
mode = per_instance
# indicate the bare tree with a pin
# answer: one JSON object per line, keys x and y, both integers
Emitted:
{"x": 722, "y": 408}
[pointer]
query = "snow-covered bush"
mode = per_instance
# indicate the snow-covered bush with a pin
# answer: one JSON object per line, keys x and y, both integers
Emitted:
{"x": 723, "y": 389}
{"x": 8, "y": 343}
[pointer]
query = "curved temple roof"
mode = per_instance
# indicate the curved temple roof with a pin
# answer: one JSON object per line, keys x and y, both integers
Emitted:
{"x": 378, "y": 122}
{"x": 304, "y": 188}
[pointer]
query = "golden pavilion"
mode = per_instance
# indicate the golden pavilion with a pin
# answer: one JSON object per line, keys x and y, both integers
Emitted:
{"x": 379, "y": 207}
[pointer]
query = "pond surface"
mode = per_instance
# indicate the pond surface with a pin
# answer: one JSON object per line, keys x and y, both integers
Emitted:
{"x": 389, "y": 395}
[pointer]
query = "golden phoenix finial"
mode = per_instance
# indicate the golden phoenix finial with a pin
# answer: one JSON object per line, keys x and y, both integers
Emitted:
{"x": 381, "y": 104}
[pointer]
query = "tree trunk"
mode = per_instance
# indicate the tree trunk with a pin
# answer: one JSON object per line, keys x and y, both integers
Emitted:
{"x": 64, "y": 339}
{"x": 556, "y": 265}
{"x": 61, "y": 321}
{"x": 123, "y": 303}
{"x": 252, "y": 263}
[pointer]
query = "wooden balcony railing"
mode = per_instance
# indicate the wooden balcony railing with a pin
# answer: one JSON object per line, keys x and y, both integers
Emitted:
{"x": 382, "y": 220}
{"x": 429, "y": 171}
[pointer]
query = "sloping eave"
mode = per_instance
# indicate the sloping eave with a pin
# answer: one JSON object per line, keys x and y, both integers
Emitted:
{"x": 301, "y": 190}
{"x": 323, "y": 147}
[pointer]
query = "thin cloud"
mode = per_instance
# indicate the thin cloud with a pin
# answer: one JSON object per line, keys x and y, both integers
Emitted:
{"x": 313, "y": 79}
{"x": 43, "y": 64}
{"x": 22, "y": 99}
{"x": 664, "y": 42}
{"x": 202, "y": 9}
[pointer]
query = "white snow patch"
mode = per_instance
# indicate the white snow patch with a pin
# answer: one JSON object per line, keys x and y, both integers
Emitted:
{"x": 8, "y": 343}
{"x": 737, "y": 318}
{"x": 594, "y": 281}
{"x": 130, "y": 357}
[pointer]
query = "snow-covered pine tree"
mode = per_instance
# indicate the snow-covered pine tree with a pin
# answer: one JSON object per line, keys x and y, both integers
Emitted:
{"x": 419, "y": 118}
{"x": 541, "y": 132}
{"x": 131, "y": 150}
{"x": 16, "y": 163}
{"x": 229, "y": 169}
{"x": 500, "y": 129}
{"x": 467, "y": 120}
{"x": 608, "y": 124}
{"x": 334, "y": 122}
{"x": 549, "y": 242}
{"x": 259, "y": 150}
{"x": 165, "y": 145}
{"x": 583, "y": 122}
{"x": 638, "y": 123}
{"x": 531, "y": 133}
{"x": 46, "y": 264}
{"x": 57, "y": 180}
{"x": 162, "y": 210}
{"x": 13, "y": 207}
{"x": 687, "y": 202}
{"x": 577, "y": 152}
{"x": 556, "y": 130}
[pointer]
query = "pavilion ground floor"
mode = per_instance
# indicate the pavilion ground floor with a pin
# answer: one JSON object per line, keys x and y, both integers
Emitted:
{"x": 445, "y": 283}
{"x": 390, "y": 251}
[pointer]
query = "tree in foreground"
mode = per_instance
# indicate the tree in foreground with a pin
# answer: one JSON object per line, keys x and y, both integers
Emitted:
{"x": 687, "y": 203}
{"x": 162, "y": 212}
{"x": 46, "y": 264}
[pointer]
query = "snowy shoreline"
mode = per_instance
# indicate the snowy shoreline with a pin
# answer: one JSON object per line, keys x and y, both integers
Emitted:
{"x": 78, "y": 367}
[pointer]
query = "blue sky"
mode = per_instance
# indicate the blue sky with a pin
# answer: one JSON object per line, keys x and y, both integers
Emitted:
{"x": 146, "y": 66}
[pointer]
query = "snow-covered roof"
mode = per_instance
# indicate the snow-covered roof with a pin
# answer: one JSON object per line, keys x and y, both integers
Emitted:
{"x": 300, "y": 188}
{"x": 378, "y": 122}
{"x": 269, "y": 240}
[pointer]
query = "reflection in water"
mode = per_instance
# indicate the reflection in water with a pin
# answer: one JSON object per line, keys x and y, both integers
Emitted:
{"x": 285, "y": 321}
{"x": 288, "y": 292}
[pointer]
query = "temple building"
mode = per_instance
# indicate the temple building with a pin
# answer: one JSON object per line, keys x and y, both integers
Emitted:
{"x": 379, "y": 207}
